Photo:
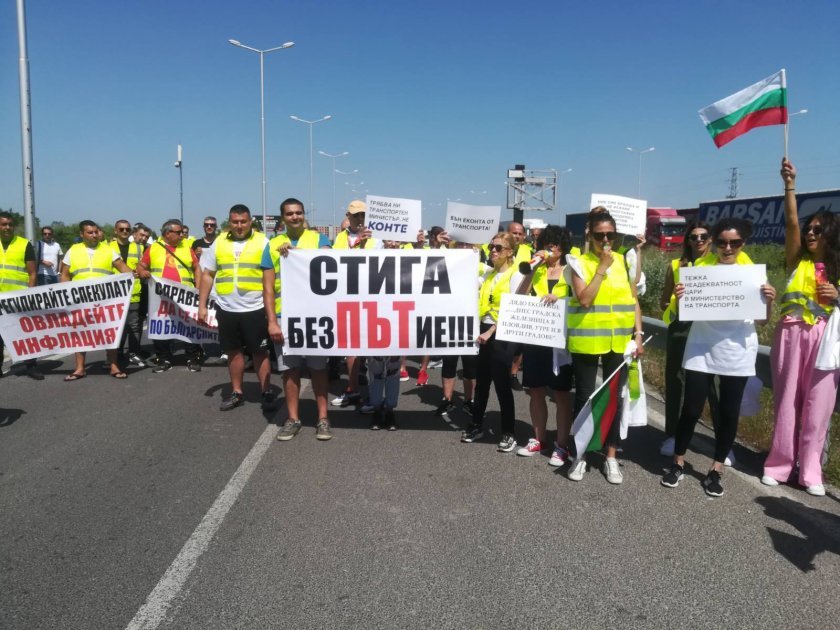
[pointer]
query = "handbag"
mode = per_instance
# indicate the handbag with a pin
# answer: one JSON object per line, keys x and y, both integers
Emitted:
{"x": 828, "y": 354}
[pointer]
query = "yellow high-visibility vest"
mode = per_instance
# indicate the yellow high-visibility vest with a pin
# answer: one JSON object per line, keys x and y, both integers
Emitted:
{"x": 160, "y": 252}
{"x": 83, "y": 265}
{"x": 13, "y": 274}
{"x": 135, "y": 253}
{"x": 490, "y": 294}
{"x": 539, "y": 283}
{"x": 243, "y": 274}
{"x": 342, "y": 241}
{"x": 308, "y": 240}
{"x": 800, "y": 297}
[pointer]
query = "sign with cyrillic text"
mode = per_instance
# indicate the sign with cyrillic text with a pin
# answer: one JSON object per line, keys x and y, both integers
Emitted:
{"x": 472, "y": 224}
{"x": 393, "y": 219}
{"x": 173, "y": 313}
{"x": 380, "y": 302}
{"x": 65, "y": 317}
{"x": 722, "y": 292}
{"x": 630, "y": 214}
{"x": 527, "y": 319}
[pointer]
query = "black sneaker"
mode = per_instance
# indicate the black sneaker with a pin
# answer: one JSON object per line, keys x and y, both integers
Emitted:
{"x": 467, "y": 407}
{"x": 515, "y": 385}
{"x": 391, "y": 420}
{"x": 162, "y": 366}
{"x": 672, "y": 478}
{"x": 444, "y": 408}
{"x": 136, "y": 359}
{"x": 193, "y": 365}
{"x": 376, "y": 419}
{"x": 473, "y": 433}
{"x": 235, "y": 400}
{"x": 268, "y": 401}
{"x": 712, "y": 485}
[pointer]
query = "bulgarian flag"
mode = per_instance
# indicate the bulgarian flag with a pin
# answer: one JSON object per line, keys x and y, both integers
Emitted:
{"x": 592, "y": 425}
{"x": 763, "y": 103}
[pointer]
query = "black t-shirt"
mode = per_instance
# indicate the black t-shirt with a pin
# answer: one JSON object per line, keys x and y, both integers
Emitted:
{"x": 202, "y": 243}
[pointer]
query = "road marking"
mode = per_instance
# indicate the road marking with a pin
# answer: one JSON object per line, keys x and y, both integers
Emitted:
{"x": 154, "y": 611}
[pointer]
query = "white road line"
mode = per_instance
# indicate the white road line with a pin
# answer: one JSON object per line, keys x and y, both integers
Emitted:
{"x": 154, "y": 611}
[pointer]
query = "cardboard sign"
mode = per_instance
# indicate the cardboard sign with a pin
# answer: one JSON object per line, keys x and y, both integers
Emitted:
{"x": 68, "y": 316}
{"x": 630, "y": 214}
{"x": 173, "y": 313}
{"x": 722, "y": 293}
{"x": 393, "y": 219}
{"x": 386, "y": 302}
{"x": 472, "y": 224}
{"x": 527, "y": 319}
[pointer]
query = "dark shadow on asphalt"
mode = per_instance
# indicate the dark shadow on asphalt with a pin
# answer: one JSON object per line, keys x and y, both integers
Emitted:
{"x": 820, "y": 531}
{"x": 9, "y": 416}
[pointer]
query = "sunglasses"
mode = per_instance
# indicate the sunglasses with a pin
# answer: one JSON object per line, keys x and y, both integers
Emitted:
{"x": 209, "y": 225}
{"x": 497, "y": 248}
{"x": 603, "y": 236}
{"x": 735, "y": 243}
{"x": 816, "y": 230}
{"x": 122, "y": 229}
{"x": 177, "y": 231}
{"x": 698, "y": 238}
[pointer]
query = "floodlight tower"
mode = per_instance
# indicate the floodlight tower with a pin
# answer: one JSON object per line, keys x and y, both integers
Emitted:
{"x": 533, "y": 190}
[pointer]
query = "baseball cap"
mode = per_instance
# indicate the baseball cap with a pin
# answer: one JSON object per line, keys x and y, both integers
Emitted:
{"x": 356, "y": 207}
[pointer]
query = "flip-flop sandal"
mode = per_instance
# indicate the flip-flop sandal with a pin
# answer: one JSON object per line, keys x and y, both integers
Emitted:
{"x": 119, "y": 375}
{"x": 73, "y": 377}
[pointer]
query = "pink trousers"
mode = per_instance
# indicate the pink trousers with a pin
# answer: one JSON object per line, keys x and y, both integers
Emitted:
{"x": 804, "y": 400}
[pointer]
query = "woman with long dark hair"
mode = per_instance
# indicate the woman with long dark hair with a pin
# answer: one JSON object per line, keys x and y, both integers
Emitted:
{"x": 804, "y": 396}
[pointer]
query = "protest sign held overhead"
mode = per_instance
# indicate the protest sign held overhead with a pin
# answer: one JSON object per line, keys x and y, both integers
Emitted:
{"x": 393, "y": 219}
{"x": 472, "y": 224}
{"x": 380, "y": 302}
{"x": 173, "y": 313}
{"x": 527, "y": 319}
{"x": 630, "y": 214}
{"x": 722, "y": 292}
{"x": 79, "y": 316}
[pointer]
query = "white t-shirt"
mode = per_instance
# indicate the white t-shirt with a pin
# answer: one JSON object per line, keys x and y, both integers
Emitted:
{"x": 52, "y": 253}
{"x": 727, "y": 348}
{"x": 239, "y": 301}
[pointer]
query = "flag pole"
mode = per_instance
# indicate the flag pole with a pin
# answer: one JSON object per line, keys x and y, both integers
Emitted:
{"x": 610, "y": 377}
{"x": 784, "y": 87}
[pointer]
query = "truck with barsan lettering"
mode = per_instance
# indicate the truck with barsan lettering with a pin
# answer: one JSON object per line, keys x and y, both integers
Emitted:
{"x": 767, "y": 214}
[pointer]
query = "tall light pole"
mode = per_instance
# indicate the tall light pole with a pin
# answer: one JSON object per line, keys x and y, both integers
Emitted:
{"x": 333, "y": 157}
{"x": 311, "y": 124}
{"x": 179, "y": 164}
{"x": 26, "y": 127}
{"x": 262, "y": 54}
{"x": 641, "y": 152}
{"x": 559, "y": 181}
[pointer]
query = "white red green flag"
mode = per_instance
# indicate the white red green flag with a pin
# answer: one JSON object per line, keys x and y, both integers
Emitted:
{"x": 592, "y": 425}
{"x": 763, "y": 103}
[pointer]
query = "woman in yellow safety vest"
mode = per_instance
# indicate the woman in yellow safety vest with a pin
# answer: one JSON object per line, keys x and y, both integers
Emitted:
{"x": 495, "y": 357}
{"x": 544, "y": 368}
{"x": 718, "y": 355}
{"x": 804, "y": 396}
{"x": 602, "y": 318}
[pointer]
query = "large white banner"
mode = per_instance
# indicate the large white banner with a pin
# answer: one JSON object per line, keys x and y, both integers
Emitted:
{"x": 380, "y": 302}
{"x": 393, "y": 219}
{"x": 527, "y": 319}
{"x": 65, "y": 317}
{"x": 630, "y": 214}
{"x": 472, "y": 224}
{"x": 173, "y": 313}
{"x": 722, "y": 292}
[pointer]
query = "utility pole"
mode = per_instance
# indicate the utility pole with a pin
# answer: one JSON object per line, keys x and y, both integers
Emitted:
{"x": 733, "y": 183}
{"x": 26, "y": 127}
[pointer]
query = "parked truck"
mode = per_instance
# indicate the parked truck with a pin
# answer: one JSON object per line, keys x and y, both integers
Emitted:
{"x": 665, "y": 229}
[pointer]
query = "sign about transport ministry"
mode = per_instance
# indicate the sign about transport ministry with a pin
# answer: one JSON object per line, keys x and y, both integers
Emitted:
{"x": 380, "y": 302}
{"x": 65, "y": 317}
{"x": 393, "y": 219}
{"x": 723, "y": 292}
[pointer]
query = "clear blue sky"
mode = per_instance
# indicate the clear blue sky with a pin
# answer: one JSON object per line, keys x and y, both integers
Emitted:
{"x": 432, "y": 99}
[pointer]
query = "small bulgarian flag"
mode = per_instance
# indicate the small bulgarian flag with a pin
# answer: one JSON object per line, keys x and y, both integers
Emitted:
{"x": 761, "y": 104}
{"x": 592, "y": 425}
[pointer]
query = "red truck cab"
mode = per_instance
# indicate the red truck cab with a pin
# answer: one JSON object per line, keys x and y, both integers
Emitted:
{"x": 665, "y": 229}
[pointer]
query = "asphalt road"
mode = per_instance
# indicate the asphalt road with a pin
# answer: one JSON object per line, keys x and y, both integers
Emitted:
{"x": 138, "y": 504}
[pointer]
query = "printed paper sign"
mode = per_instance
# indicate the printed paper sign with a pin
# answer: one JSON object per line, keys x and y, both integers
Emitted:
{"x": 380, "y": 302}
{"x": 527, "y": 319}
{"x": 472, "y": 224}
{"x": 68, "y": 316}
{"x": 630, "y": 214}
{"x": 722, "y": 292}
{"x": 173, "y": 313}
{"x": 393, "y": 219}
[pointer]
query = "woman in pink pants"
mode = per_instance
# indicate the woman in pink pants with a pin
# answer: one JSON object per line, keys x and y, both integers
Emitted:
{"x": 804, "y": 396}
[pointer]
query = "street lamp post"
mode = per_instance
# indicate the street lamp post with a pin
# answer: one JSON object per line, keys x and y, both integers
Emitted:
{"x": 641, "y": 152}
{"x": 333, "y": 157}
{"x": 262, "y": 54}
{"x": 179, "y": 164}
{"x": 311, "y": 124}
{"x": 559, "y": 180}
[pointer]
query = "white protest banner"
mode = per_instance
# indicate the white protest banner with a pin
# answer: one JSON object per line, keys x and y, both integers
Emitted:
{"x": 527, "y": 319}
{"x": 393, "y": 219}
{"x": 380, "y": 302}
{"x": 722, "y": 292}
{"x": 472, "y": 224}
{"x": 68, "y": 316}
{"x": 630, "y": 214}
{"x": 173, "y": 313}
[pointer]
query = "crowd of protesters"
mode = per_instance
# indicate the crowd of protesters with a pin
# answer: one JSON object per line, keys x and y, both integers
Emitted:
{"x": 705, "y": 361}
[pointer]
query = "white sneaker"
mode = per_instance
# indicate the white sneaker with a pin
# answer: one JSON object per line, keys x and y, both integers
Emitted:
{"x": 533, "y": 447}
{"x": 577, "y": 470}
{"x": 435, "y": 365}
{"x": 558, "y": 456}
{"x": 769, "y": 481}
{"x": 667, "y": 448}
{"x": 730, "y": 459}
{"x": 613, "y": 471}
{"x": 816, "y": 491}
